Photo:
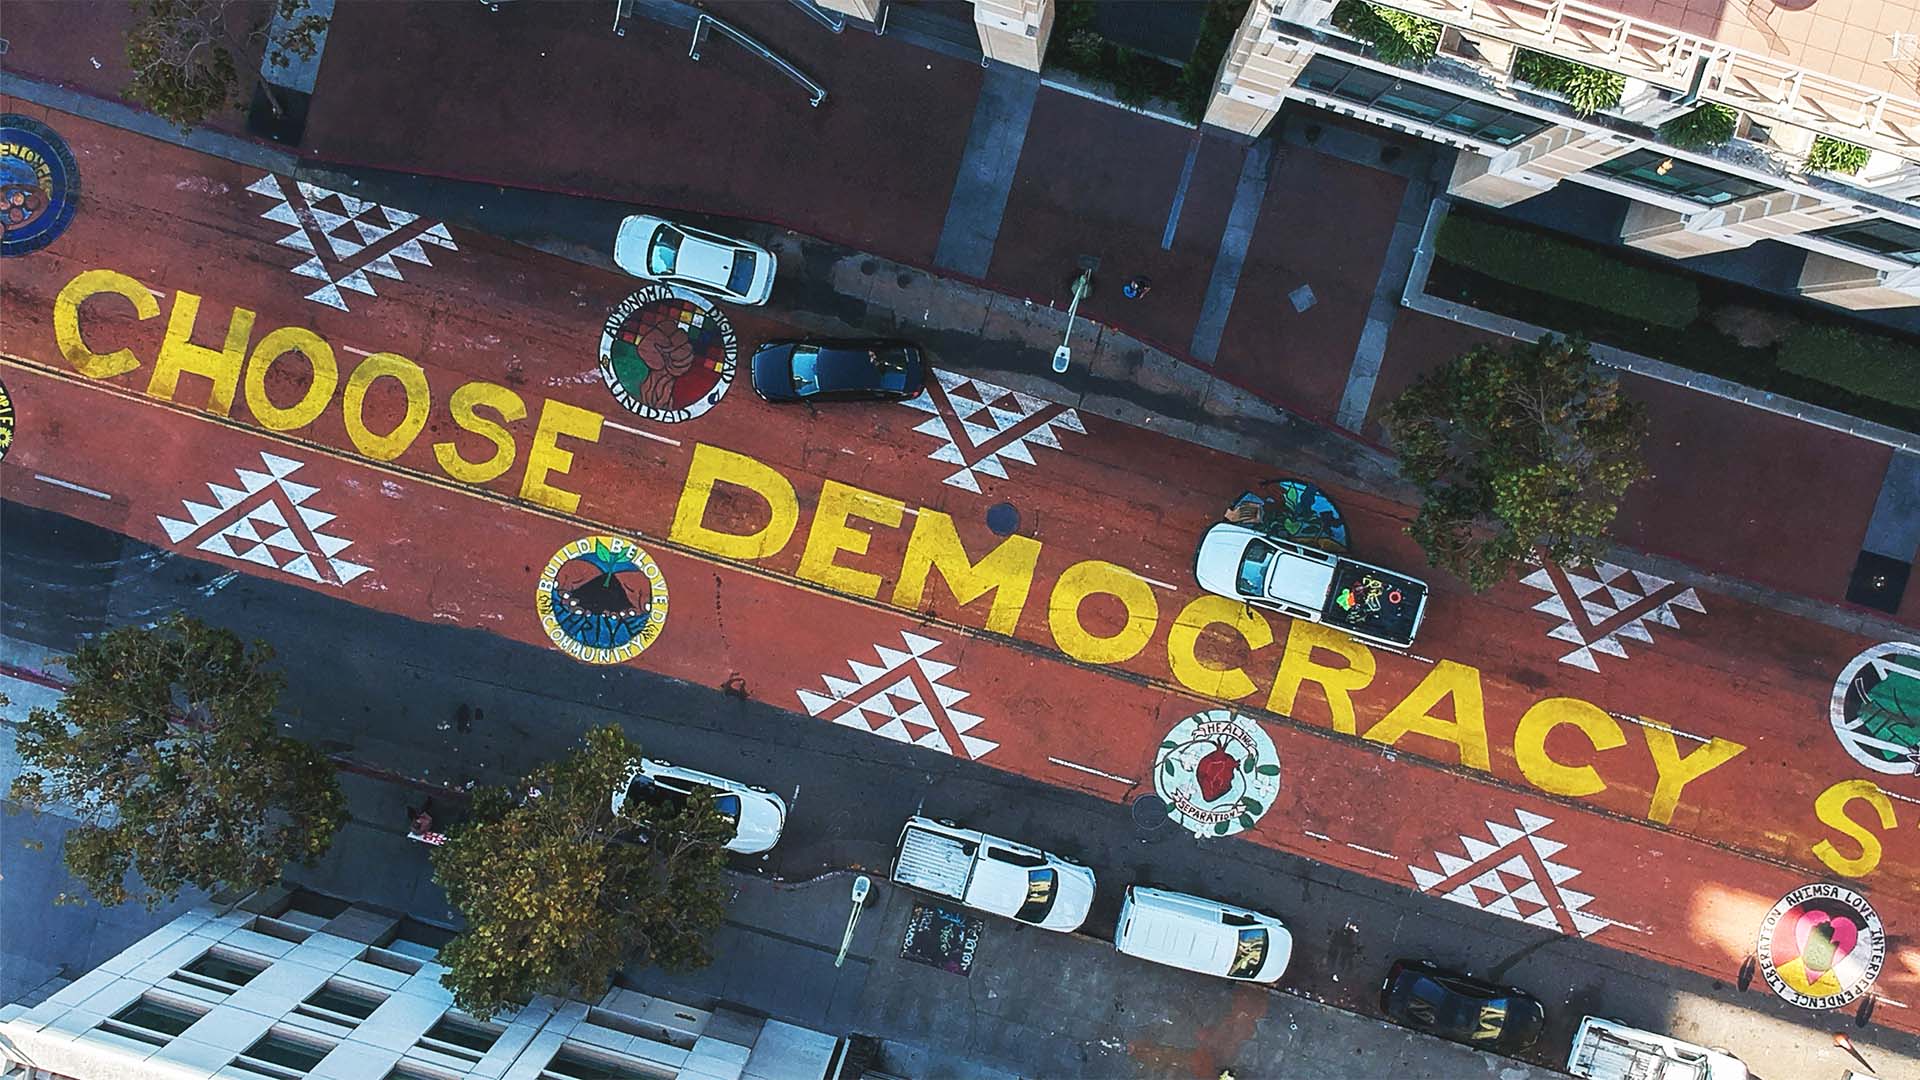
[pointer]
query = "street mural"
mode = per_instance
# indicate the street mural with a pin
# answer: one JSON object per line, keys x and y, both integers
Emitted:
{"x": 668, "y": 354}
{"x": 902, "y": 698}
{"x": 347, "y": 238}
{"x": 1514, "y": 876}
{"x": 1821, "y": 946}
{"x": 1876, "y": 708}
{"x": 39, "y": 185}
{"x": 267, "y": 520}
{"x": 1597, "y": 613}
{"x": 6, "y": 421}
{"x": 940, "y": 938}
{"x": 981, "y": 426}
{"x": 602, "y": 600}
{"x": 1218, "y": 772}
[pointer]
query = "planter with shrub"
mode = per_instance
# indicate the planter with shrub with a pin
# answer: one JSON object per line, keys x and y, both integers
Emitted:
{"x": 1704, "y": 128}
{"x": 1587, "y": 89}
{"x": 1836, "y": 155}
{"x": 1396, "y": 36}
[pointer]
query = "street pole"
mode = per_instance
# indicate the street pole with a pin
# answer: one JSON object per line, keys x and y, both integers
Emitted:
{"x": 1063, "y": 355}
{"x": 861, "y": 886}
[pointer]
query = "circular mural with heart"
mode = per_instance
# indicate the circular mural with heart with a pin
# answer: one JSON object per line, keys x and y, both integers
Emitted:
{"x": 1821, "y": 946}
{"x": 602, "y": 600}
{"x": 667, "y": 353}
{"x": 1217, "y": 772}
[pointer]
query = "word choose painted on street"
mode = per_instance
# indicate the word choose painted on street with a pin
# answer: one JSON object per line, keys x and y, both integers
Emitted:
{"x": 1005, "y": 578}
{"x": 242, "y": 366}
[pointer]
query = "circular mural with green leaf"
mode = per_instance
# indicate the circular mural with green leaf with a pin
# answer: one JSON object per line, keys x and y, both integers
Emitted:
{"x": 1218, "y": 772}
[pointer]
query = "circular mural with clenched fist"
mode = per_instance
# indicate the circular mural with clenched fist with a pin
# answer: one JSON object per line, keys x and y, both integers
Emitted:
{"x": 1217, "y": 772}
{"x": 668, "y": 354}
{"x": 1821, "y": 946}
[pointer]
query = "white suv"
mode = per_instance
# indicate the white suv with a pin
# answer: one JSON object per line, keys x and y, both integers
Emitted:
{"x": 757, "y": 814}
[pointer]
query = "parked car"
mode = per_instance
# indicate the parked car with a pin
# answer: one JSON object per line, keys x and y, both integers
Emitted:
{"x": 838, "y": 371}
{"x": 1610, "y": 1050}
{"x": 1423, "y": 995}
{"x": 757, "y": 814}
{"x": 1370, "y": 602}
{"x": 658, "y": 250}
{"x": 1202, "y": 935}
{"x": 993, "y": 874}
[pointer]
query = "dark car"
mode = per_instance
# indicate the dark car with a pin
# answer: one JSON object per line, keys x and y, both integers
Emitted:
{"x": 1427, "y": 997}
{"x": 837, "y": 371}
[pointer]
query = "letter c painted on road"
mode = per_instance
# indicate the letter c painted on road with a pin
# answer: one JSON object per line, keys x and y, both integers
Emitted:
{"x": 1226, "y": 684}
{"x": 1555, "y": 777}
{"x": 66, "y": 321}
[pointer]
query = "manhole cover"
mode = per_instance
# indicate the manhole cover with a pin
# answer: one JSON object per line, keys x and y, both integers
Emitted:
{"x": 1003, "y": 519}
{"x": 1150, "y": 813}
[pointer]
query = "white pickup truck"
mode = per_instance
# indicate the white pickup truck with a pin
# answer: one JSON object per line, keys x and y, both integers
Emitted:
{"x": 1609, "y": 1050}
{"x": 993, "y": 874}
{"x": 1370, "y": 602}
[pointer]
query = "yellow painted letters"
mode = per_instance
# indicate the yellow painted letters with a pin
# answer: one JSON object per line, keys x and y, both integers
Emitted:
{"x": 1555, "y": 777}
{"x": 1831, "y": 808}
{"x": 323, "y": 378}
{"x": 1338, "y": 683}
{"x": 1006, "y": 571}
{"x": 1467, "y": 730}
{"x": 713, "y": 465}
{"x": 545, "y": 457}
{"x": 1227, "y": 684}
{"x": 178, "y": 355}
{"x": 831, "y": 535}
{"x": 66, "y": 321}
{"x": 1676, "y": 771}
{"x": 1084, "y": 579}
{"x": 466, "y": 399}
{"x": 353, "y": 403}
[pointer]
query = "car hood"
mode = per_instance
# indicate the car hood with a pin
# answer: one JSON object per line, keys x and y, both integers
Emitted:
{"x": 772, "y": 373}
{"x": 1217, "y": 562}
{"x": 762, "y": 817}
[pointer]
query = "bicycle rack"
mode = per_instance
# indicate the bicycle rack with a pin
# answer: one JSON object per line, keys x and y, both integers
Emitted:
{"x": 700, "y": 31}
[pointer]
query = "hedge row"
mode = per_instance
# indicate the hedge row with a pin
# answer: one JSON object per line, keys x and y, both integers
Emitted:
{"x": 1866, "y": 364}
{"x": 1534, "y": 261}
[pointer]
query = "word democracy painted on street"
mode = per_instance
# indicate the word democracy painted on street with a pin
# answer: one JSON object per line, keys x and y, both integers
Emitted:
{"x": 241, "y": 365}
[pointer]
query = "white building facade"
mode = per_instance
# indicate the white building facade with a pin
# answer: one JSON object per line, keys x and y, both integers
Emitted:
{"x": 287, "y": 985}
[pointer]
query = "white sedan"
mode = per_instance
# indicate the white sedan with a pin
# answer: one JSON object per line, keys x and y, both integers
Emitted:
{"x": 670, "y": 254}
{"x": 757, "y": 814}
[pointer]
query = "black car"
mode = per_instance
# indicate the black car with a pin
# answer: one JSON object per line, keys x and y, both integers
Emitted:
{"x": 1427, "y": 997}
{"x": 837, "y": 371}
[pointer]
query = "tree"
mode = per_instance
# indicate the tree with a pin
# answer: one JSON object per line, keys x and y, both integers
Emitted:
{"x": 186, "y": 54}
{"x": 165, "y": 748}
{"x": 1517, "y": 450}
{"x": 557, "y": 891}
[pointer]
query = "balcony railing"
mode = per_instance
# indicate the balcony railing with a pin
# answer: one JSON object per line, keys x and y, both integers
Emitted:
{"x": 1670, "y": 58}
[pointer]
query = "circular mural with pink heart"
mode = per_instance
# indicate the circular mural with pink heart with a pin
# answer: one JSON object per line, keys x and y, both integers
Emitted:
{"x": 1217, "y": 772}
{"x": 1821, "y": 946}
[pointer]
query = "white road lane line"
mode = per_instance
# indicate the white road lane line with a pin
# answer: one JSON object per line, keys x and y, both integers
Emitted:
{"x": 642, "y": 434}
{"x": 1091, "y": 769}
{"x": 1668, "y": 728}
{"x": 1318, "y": 836}
{"x": 1373, "y": 851}
{"x": 1159, "y": 584}
{"x": 354, "y": 351}
{"x": 70, "y": 486}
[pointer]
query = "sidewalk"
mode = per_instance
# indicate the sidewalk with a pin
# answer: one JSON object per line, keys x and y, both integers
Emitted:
{"x": 1294, "y": 303}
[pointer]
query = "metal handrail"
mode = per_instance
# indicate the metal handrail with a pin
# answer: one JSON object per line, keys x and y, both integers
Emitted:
{"x": 831, "y": 21}
{"x": 705, "y": 20}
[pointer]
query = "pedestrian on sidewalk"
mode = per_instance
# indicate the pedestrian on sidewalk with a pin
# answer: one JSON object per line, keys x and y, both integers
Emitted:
{"x": 1136, "y": 286}
{"x": 420, "y": 818}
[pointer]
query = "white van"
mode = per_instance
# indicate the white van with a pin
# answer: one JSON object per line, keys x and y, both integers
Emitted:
{"x": 1610, "y": 1050}
{"x": 1202, "y": 935}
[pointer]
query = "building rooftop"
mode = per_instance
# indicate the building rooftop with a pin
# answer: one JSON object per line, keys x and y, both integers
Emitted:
{"x": 1847, "y": 39}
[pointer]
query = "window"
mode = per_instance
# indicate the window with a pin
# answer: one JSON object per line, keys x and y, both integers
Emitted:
{"x": 1015, "y": 858}
{"x": 1880, "y": 236}
{"x": 221, "y": 970}
{"x": 342, "y": 998}
{"x": 1252, "y": 580}
{"x": 1419, "y": 101}
{"x": 461, "y": 1037}
{"x": 1655, "y": 170}
{"x": 742, "y": 275}
{"x": 281, "y": 1056}
{"x": 1249, "y": 953}
{"x": 664, "y": 252}
{"x": 806, "y": 374}
{"x": 1042, "y": 887}
{"x": 151, "y": 1020}
{"x": 576, "y": 1063}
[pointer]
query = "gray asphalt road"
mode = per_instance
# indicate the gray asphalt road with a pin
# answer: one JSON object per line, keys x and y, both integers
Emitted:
{"x": 387, "y": 691}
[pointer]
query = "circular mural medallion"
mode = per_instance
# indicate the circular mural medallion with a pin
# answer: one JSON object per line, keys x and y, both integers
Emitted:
{"x": 1876, "y": 708}
{"x": 602, "y": 600}
{"x": 1821, "y": 946}
{"x": 668, "y": 354}
{"x": 6, "y": 422}
{"x": 39, "y": 185}
{"x": 1217, "y": 772}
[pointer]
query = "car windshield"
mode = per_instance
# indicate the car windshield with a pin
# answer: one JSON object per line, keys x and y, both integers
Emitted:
{"x": 1042, "y": 887}
{"x": 742, "y": 275}
{"x": 1252, "y": 580}
{"x": 645, "y": 789}
{"x": 1249, "y": 953}
{"x": 664, "y": 254}
{"x": 1439, "y": 1007}
{"x": 728, "y": 804}
{"x": 892, "y": 367}
{"x": 806, "y": 375}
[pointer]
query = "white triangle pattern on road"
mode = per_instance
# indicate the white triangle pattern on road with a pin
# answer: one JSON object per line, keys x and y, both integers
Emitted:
{"x": 347, "y": 236}
{"x": 887, "y": 694}
{"x": 986, "y": 411}
{"x": 1614, "y": 592}
{"x": 261, "y": 529}
{"x": 1507, "y": 856}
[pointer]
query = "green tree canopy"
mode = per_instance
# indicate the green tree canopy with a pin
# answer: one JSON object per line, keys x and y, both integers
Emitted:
{"x": 165, "y": 747}
{"x": 1517, "y": 449}
{"x": 186, "y": 54}
{"x": 557, "y": 892}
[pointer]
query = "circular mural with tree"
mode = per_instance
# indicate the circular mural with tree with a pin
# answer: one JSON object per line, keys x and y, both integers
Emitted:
{"x": 602, "y": 600}
{"x": 1218, "y": 772}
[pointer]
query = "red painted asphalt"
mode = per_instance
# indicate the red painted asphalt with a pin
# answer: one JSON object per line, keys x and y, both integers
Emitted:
{"x": 1689, "y": 893}
{"x": 545, "y": 96}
